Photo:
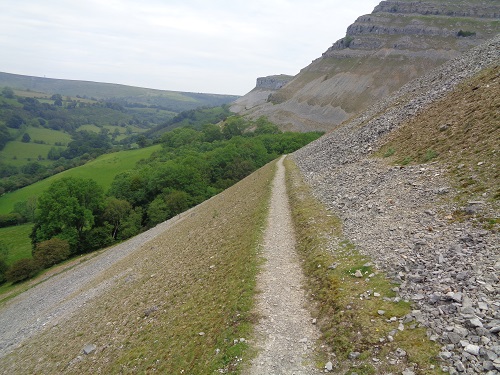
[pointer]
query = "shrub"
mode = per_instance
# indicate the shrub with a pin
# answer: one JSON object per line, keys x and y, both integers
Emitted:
{"x": 406, "y": 161}
{"x": 4, "y": 252}
{"x": 8, "y": 220}
{"x": 429, "y": 155}
{"x": 21, "y": 270}
{"x": 389, "y": 152}
{"x": 464, "y": 33}
{"x": 3, "y": 269}
{"x": 50, "y": 252}
{"x": 347, "y": 41}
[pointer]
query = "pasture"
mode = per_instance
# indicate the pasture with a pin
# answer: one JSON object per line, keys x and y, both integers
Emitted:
{"x": 103, "y": 170}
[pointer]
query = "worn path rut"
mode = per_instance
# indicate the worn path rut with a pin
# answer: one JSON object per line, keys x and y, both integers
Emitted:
{"x": 285, "y": 335}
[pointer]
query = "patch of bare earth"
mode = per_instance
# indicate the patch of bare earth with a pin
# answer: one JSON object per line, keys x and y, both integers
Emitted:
{"x": 285, "y": 335}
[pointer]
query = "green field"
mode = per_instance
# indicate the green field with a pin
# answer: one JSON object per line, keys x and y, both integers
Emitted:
{"x": 112, "y": 129}
{"x": 19, "y": 153}
{"x": 102, "y": 170}
{"x": 48, "y": 136}
{"x": 18, "y": 242}
{"x": 90, "y": 128}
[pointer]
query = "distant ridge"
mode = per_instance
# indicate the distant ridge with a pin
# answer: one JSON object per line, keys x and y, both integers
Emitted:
{"x": 176, "y": 101}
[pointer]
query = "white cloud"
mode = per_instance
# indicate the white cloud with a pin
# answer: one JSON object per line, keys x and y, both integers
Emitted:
{"x": 220, "y": 46}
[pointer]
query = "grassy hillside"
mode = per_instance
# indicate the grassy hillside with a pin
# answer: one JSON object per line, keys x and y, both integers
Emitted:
{"x": 16, "y": 239}
{"x": 102, "y": 170}
{"x": 462, "y": 131}
{"x": 178, "y": 305}
{"x": 173, "y": 100}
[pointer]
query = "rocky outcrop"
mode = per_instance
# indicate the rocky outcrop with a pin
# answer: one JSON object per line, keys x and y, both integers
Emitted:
{"x": 273, "y": 82}
{"x": 447, "y": 268}
{"x": 450, "y": 9}
{"x": 399, "y": 41}
{"x": 265, "y": 87}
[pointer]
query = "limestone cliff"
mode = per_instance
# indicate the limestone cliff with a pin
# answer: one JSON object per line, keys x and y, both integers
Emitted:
{"x": 397, "y": 42}
{"x": 260, "y": 94}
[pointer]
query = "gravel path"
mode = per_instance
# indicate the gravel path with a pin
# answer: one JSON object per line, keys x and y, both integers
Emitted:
{"x": 56, "y": 298}
{"x": 285, "y": 334}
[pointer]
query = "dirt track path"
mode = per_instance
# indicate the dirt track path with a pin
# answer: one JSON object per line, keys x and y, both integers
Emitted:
{"x": 285, "y": 334}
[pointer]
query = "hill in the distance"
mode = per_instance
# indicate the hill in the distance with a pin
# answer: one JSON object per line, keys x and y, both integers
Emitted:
{"x": 397, "y": 42}
{"x": 175, "y": 101}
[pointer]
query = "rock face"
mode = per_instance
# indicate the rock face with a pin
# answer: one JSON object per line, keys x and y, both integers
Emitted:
{"x": 260, "y": 94}
{"x": 273, "y": 82}
{"x": 397, "y": 42}
{"x": 397, "y": 215}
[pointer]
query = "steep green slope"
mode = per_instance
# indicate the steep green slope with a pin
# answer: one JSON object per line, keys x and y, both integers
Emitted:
{"x": 102, "y": 170}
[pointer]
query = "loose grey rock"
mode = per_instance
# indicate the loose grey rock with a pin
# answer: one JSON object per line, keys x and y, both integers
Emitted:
{"x": 354, "y": 355}
{"x": 454, "y": 337}
{"x": 329, "y": 366}
{"x": 488, "y": 366}
{"x": 89, "y": 348}
{"x": 472, "y": 349}
{"x": 400, "y": 352}
{"x": 475, "y": 322}
{"x": 459, "y": 366}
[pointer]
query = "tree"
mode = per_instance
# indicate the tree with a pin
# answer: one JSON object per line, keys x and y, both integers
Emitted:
{"x": 180, "y": 137}
{"x": 142, "y": 141}
{"x": 131, "y": 186}
{"x": 211, "y": 133}
{"x": 4, "y": 136}
{"x": 264, "y": 126}
{"x": 234, "y": 126}
{"x": 131, "y": 225}
{"x": 57, "y": 98}
{"x": 7, "y": 92}
{"x": 157, "y": 211}
{"x": 115, "y": 212}
{"x": 26, "y": 208}
{"x": 15, "y": 121}
{"x": 177, "y": 202}
{"x": 68, "y": 210}
{"x": 26, "y": 138}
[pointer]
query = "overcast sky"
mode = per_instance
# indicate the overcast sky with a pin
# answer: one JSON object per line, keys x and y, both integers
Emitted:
{"x": 217, "y": 46}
